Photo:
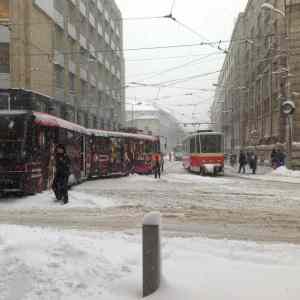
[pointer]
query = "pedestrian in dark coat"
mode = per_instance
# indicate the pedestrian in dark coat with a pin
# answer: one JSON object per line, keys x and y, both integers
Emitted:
{"x": 60, "y": 182}
{"x": 157, "y": 166}
{"x": 274, "y": 157}
{"x": 162, "y": 163}
{"x": 253, "y": 162}
{"x": 242, "y": 162}
{"x": 280, "y": 158}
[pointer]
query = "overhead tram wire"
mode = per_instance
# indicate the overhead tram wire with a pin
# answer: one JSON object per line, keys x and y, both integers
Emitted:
{"x": 172, "y": 82}
{"x": 168, "y": 57}
{"x": 171, "y": 17}
{"x": 154, "y": 74}
{"x": 172, "y": 7}
{"x": 80, "y": 21}
{"x": 124, "y": 50}
{"x": 133, "y": 49}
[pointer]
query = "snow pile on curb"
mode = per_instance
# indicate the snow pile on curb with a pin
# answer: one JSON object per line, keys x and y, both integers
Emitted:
{"x": 283, "y": 171}
{"x": 40, "y": 264}
{"x": 47, "y": 200}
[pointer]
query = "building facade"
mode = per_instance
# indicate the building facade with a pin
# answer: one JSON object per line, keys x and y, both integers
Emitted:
{"x": 260, "y": 72}
{"x": 157, "y": 122}
{"x": 69, "y": 50}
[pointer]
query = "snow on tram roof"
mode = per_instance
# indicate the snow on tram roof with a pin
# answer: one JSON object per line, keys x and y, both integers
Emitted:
{"x": 206, "y": 133}
{"x": 46, "y": 120}
{"x": 52, "y": 121}
{"x": 105, "y": 133}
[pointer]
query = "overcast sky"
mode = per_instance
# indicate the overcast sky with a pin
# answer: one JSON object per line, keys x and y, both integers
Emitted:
{"x": 213, "y": 20}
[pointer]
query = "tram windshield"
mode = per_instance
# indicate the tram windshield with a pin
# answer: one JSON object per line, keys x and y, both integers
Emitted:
{"x": 11, "y": 136}
{"x": 211, "y": 143}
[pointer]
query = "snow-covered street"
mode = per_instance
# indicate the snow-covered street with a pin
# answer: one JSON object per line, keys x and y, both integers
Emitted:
{"x": 47, "y": 264}
{"x": 249, "y": 207}
{"x": 228, "y": 234}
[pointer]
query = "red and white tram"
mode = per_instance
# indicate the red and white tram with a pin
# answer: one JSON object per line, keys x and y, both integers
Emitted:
{"x": 204, "y": 153}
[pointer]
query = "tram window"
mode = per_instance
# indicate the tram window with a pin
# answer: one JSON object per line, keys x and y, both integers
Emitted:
{"x": 211, "y": 143}
{"x": 193, "y": 145}
{"x": 198, "y": 150}
{"x": 11, "y": 128}
{"x": 147, "y": 148}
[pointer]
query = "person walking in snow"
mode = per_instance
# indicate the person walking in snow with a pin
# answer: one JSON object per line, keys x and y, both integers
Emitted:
{"x": 253, "y": 162}
{"x": 60, "y": 182}
{"x": 157, "y": 166}
{"x": 242, "y": 162}
{"x": 280, "y": 158}
{"x": 274, "y": 158}
{"x": 162, "y": 162}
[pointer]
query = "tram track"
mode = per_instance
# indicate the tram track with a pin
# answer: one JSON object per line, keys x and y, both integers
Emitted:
{"x": 253, "y": 224}
{"x": 221, "y": 208}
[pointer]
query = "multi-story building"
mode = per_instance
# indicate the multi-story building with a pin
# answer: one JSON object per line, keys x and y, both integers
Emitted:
{"x": 70, "y": 50}
{"x": 260, "y": 72}
{"x": 157, "y": 122}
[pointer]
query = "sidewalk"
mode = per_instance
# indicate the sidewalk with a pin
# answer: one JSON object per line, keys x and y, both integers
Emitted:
{"x": 265, "y": 173}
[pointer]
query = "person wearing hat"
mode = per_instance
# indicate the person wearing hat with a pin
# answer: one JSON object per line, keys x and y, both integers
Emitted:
{"x": 60, "y": 182}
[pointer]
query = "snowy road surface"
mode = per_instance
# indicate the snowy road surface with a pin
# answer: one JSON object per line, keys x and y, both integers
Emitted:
{"x": 52, "y": 264}
{"x": 91, "y": 248}
{"x": 250, "y": 207}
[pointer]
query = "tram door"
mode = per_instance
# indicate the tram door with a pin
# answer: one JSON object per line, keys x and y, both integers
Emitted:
{"x": 83, "y": 157}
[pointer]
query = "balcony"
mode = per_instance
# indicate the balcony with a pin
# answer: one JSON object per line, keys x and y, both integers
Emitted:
{"x": 93, "y": 80}
{"x": 100, "y": 6}
{"x": 72, "y": 31}
{"x": 112, "y": 24}
{"x": 72, "y": 67}
{"x": 106, "y": 15}
{"x": 82, "y": 8}
{"x": 92, "y": 21}
{"x": 83, "y": 42}
{"x": 59, "y": 58}
{"x": 113, "y": 70}
{"x": 118, "y": 74}
{"x": 4, "y": 34}
{"x": 118, "y": 52}
{"x": 93, "y": 51}
{"x": 4, "y": 80}
{"x": 58, "y": 18}
{"x": 100, "y": 57}
{"x": 83, "y": 74}
{"x": 100, "y": 85}
{"x": 106, "y": 37}
{"x": 107, "y": 65}
{"x": 100, "y": 29}
{"x": 113, "y": 45}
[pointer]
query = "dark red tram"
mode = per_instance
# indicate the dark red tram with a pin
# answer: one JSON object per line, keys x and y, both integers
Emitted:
{"x": 120, "y": 153}
{"x": 27, "y": 147}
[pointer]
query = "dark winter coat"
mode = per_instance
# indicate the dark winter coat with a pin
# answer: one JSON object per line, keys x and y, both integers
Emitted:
{"x": 253, "y": 161}
{"x": 242, "y": 159}
{"x": 63, "y": 165}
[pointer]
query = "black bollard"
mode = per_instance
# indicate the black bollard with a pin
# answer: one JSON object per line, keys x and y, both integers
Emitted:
{"x": 151, "y": 253}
